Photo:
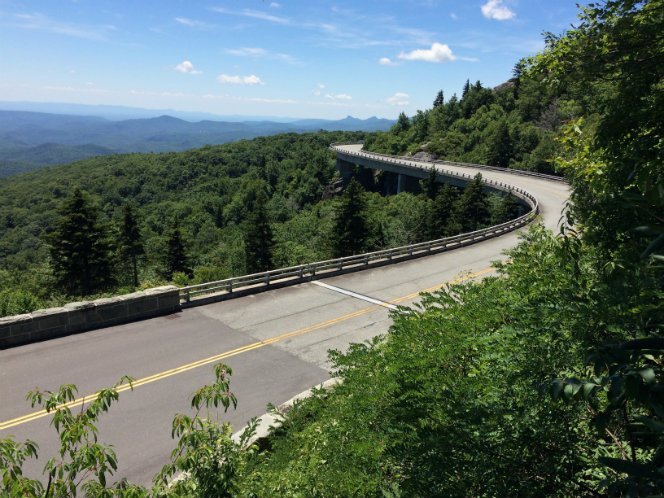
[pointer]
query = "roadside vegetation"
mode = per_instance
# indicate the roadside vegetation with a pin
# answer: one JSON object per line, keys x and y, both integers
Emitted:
{"x": 543, "y": 381}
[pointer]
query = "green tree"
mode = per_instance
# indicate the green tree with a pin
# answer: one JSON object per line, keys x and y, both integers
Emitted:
{"x": 500, "y": 146}
{"x": 441, "y": 220}
{"x": 440, "y": 99}
{"x": 349, "y": 234}
{"x": 80, "y": 248}
{"x": 430, "y": 185}
{"x": 130, "y": 244}
{"x": 472, "y": 208}
{"x": 176, "y": 256}
{"x": 402, "y": 125}
{"x": 507, "y": 209}
{"x": 258, "y": 236}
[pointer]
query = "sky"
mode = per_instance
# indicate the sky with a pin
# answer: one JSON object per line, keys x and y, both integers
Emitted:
{"x": 294, "y": 58}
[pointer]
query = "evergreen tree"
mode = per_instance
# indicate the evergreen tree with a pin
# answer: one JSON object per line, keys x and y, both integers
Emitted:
{"x": 258, "y": 237}
{"x": 440, "y": 99}
{"x": 80, "y": 248}
{"x": 402, "y": 124}
{"x": 473, "y": 208}
{"x": 441, "y": 221}
{"x": 508, "y": 209}
{"x": 466, "y": 89}
{"x": 500, "y": 146}
{"x": 176, "y": 257}
{"x": 130, "y": 245}
{"x": 429, "y": 184}
{"x": 350, "y": 222}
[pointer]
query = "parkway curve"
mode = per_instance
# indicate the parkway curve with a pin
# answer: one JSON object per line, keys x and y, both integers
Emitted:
{"x": 276, "y": 342}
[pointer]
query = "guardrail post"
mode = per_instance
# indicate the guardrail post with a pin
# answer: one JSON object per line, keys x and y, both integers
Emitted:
{"x": 230, "y": 287}
{"x": 267, "y": 279}
{"x": 187, "y": 296}
{"x": 366, "y": 260}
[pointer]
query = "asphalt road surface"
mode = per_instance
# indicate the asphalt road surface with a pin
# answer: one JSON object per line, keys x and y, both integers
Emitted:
{"x": 276, "y": 342}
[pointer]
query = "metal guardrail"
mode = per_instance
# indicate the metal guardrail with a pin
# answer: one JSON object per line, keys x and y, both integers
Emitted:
{"x": 311, "y": 271}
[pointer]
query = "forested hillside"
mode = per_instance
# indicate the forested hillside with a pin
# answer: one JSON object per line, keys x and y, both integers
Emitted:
{"x": 140, "y": 220}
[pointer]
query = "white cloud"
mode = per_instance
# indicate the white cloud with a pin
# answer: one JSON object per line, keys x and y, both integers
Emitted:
{"x": 41, "y": 22}
{"x": 399, "y": 99}
{"x": 494, "y": 9}
{"x": 318, "y": 90}
{"x": 190, "y": 22}
{"x": 253, "y": 14}
{"x": 338, "y": 96}
{"x": 257, "y": 52}
{"x": 275, "y": 5}
{"x": 386, "y": 61}
{"x": 252, "y": 79}
{"x": 186, "y": 67}
{"x": 437, "y": 53}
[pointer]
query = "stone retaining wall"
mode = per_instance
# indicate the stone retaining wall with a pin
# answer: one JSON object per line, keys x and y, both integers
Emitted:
{"x": 73, "y": 318}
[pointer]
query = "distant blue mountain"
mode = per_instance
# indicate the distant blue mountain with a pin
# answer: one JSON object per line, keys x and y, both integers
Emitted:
{"x": 29, "y": 140}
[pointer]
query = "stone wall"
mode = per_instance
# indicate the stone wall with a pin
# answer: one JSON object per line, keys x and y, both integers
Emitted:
{"x": 78, "y": 317}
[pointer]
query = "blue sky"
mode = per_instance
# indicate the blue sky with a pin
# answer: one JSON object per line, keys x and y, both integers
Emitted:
{"x": 291, "y": 58}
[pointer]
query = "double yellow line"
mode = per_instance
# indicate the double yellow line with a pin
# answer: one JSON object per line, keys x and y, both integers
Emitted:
{"x": 244, "y": 349}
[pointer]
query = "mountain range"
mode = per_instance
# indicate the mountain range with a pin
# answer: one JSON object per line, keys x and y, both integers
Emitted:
{"x": 30, "y": 140}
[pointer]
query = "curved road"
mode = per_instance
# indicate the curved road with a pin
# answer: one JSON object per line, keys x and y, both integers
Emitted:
{"x": 276, "y": 342}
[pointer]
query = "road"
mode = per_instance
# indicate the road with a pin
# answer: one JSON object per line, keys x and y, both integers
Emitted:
{"x": 276, "y": 342}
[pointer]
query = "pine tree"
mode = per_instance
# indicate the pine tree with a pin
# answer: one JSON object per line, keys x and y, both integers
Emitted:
{"x": 176, "y": 257}
{"x": 473, "y": 207}
{"x": 429, "y": 184}
{"x": 466, "y": 89}
{"x": 258, "y": 237}
{"x": 350, "y": 223}
{"x": 440, "y": 99}
{"x": 500, "y": 146}
{"x": 130, "y": 245}
{"x": 441, "y": 221}
{"x": 508, "y": 209}
{"x": 80, "y": 248}
{"x": 402, "y": 124}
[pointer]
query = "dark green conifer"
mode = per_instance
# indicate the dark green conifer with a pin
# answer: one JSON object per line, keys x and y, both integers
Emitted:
{"x": 258, "y": 237}
{"x": 176, "y": 257}
{"x": 429, "y": 184}
{"x": 508, "y": 209}
{"x": 350, "y": 222}
{"x": 500, "y": 146}
{"x": 441, "y": 221}
{"x": 440, "y": 99}
{"x": 130, "y": 244}
{"x": 80, "y": 248}
{"x": 473, "y": 208}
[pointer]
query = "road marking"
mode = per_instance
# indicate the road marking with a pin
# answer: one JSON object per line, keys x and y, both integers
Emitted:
{"x": 244, "y": 349}
{"x": 355, "y": 295}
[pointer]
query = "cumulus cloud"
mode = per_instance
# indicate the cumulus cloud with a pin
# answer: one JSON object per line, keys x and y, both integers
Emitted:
{"x": 252, "y": 79}
{"x": 494, "y": 9}
{"x": 386, "y": 61}
{"x": 399, "y": 99}
{"x": 338, "y": 96}
{"x": 186, "y": 67}
{"x": 438, "y": 52}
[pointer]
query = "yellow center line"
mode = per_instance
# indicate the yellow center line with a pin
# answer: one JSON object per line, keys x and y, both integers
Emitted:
{"x": 244, "y": 349}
